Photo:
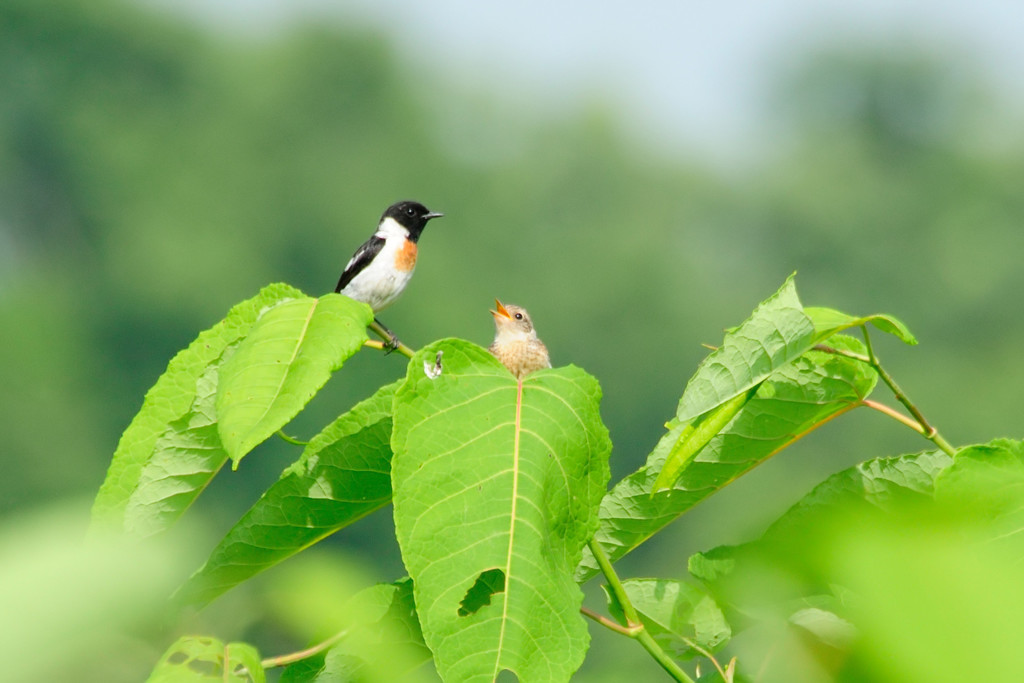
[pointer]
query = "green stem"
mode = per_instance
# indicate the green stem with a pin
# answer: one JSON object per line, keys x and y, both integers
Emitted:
{"x": 379, "y": 330}
{"x": 292, "y": 657}
{"x": 634, "y": 627}
{"x": 899, "y": 417}
{"x": 929, "y": 432}
{"x": 609, "y": 624}
{"x": 923, "y": 427}
{"x": 291, "y": 439}
{"x": 652, "y": 647}
{"x": 693, "y": 645}
{"x": 632, "y": 618}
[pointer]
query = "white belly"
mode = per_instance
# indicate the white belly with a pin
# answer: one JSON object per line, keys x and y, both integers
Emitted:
{"x": 377, "y": 285}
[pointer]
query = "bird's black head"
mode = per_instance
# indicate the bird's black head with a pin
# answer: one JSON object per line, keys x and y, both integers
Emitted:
{"x": 412, "y": 216}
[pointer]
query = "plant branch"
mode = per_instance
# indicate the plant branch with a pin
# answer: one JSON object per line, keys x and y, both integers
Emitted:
{"x": 899, "y": 417}
{"x": 291, "y": 439}
{"x": 383, "y": 333}
{"x": 929, "y": 432}
{"x": 630, "y": 631}
{"x": 922, "y": 427}
{"x": 842, "y": 352}
{"x": 634, "y": 627}
{"x": 727, "y": 677}
{"x": 632, "y": 618}
{"x": 292, "y": 657}
{"x": 652, "y": 647}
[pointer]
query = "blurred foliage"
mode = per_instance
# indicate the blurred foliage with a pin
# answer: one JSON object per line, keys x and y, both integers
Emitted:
{"x": 876, "y": 567}
{"x": 67, "y": 606}
{"x": 153, "y": 173}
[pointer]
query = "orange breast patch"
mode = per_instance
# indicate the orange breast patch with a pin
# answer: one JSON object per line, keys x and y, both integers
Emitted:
{"x": 405, "y": 259}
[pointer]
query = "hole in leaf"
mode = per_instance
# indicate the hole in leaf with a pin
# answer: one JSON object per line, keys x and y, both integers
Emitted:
{"x": 479, "y": 594}
{"x": 506, "y": 676}
{"x": 205, "y": 668}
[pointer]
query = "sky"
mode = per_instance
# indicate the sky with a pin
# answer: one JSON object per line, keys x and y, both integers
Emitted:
{"x": 684, "y": 75}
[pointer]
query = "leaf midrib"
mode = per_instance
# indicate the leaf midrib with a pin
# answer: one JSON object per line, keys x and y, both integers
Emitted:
{"x": 512, "y": 526}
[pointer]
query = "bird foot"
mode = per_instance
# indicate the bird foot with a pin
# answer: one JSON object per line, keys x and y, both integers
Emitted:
{"x": 392, "y": 344}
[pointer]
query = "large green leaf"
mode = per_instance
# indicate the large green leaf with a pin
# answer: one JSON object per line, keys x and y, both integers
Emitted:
{"x": 784, "y": 586}
{"x": 170, "y": 451}
{"x": 343, "y": 475}
{"x": 496, "y": 486}
{"x": 194, "y": 659}
{"x": 287, "y": 357}
{"x": 935, "y": 602}
{"x": 184, "y": 460}
{"x": 917, "y": 550}
{"x": 985, "y": 486}
{"x": 777, "y": 332}
{"x": 677, "y": 614}
{"x": 877, "y": 484}
{"x": 791, "y": 402}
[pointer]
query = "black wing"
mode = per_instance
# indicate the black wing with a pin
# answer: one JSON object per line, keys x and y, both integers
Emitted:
{"x": 362, "y": 258}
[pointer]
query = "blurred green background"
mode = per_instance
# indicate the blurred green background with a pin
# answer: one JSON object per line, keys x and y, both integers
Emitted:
{"x": 154, "y": 170}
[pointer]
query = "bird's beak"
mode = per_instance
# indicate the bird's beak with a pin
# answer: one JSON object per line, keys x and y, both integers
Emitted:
{"x": 433, "y": 214}
{"x": 502, "y": 311}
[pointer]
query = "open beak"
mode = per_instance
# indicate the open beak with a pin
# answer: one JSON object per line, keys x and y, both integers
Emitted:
{"x": 501, "y": 310}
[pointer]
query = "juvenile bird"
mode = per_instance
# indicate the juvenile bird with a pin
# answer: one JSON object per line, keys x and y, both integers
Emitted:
{"x": 382, "y": 267}
{"x": 515, "y": 341}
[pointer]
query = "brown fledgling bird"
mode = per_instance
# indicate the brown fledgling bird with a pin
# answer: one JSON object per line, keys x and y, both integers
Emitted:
{"x": 515, "y": 341}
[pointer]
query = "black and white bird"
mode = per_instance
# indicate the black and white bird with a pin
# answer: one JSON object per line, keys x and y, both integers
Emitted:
{"x": 382, "y": 267}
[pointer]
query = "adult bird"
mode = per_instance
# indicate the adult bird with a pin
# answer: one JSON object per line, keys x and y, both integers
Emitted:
{"x": 382, "y": 267}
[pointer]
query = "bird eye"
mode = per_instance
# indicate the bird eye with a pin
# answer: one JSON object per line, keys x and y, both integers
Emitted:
{"x": 410, "y": 211}
{"x": 519, "y": 316}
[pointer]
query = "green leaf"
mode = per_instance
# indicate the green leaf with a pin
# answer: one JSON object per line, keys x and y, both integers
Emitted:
{"x": 777, "y": 332}
{"x": 828, "y": 321}
{"x": 920, "y": 548}
{"x": 169, "y": 452}
{"x": 287, "y": 357}
{"x": 197, "y": 658}
{"x": 925, "y": 579}
{"x": 788, "y": 576}
{"x": 387, "y": 644}
{"x": 695, "y": 435}
{"x": 343, "y": 475}
{"x": 787, "y": 405}
{"x": 985, "y": 486}
{"x": 677, "y": 614}
{"x": 496, "y": 484}
{"x": 67, "y": 602}
{"x": 184, "y": 460}
{"x": 306, "y": 670}
{"x": 389, "y": 611}
{"x": 877, "y": 484}
{"x": 827, "y": 627}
